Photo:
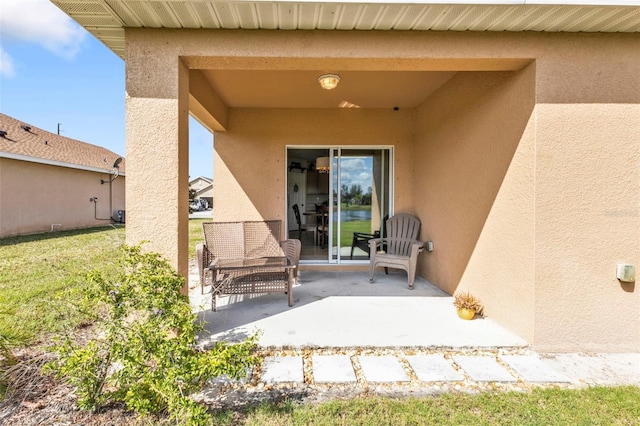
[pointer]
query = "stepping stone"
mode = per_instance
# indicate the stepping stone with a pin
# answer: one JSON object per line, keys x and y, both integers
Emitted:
{"x": 282, "y": 369}
{"x": 333, "y": 369}
{"x": 433, "y": 368}
{"x": 532, "y": 369}
{"x": 382, "y": 369}
{"x": 483, "y": 368}
{"x": 225, "y": 379}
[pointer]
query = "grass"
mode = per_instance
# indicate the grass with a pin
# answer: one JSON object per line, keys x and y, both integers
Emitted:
{"x": 592, "y": 406}
{"x": 348, "y": 228}
{"x": 39, "y": 272}
{"x": 195, "y": 235}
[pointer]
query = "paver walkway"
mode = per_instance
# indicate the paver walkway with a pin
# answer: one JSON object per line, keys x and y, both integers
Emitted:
{"x": 325, "y": 346}
{"x": 324, "y": 374}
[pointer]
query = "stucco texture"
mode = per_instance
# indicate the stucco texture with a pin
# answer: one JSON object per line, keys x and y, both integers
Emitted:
{"x": 250, "y": 169}
{"x": 40, "y": 198}
{"x": 475, "y": 191}
{"x": 524, "y": 167}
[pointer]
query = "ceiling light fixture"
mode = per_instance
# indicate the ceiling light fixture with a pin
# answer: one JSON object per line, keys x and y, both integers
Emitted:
{"x": 329, "y": 81}
{"x": 322, "y": 164}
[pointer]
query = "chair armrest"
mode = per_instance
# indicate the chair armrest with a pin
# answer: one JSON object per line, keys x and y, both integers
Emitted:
{"x": 364, "y": 236}
{"x": 374, "y": 243}
{"x": 205, "y": 257}
{"x": 417, "y": 247}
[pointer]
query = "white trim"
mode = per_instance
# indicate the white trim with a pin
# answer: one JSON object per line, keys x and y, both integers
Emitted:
{"x": 338, "y": 261}
{"x": 47, "y": 162}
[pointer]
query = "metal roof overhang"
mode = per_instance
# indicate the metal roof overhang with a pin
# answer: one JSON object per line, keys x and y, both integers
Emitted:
{"x": 107, "y": 19}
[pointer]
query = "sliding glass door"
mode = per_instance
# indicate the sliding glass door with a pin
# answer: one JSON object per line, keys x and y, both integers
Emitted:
{"x": 360, "y": 200}
{"x": 337, "y": 199}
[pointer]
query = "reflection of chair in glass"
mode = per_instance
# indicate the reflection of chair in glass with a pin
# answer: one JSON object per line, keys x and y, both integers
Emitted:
{"x": 361, "y": 239}
{"x": 301, "y": 227}
{"x": 402, "y": 246}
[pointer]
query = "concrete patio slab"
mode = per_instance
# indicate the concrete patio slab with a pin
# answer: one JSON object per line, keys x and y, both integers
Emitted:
{"x": 333, "y": 369}
{"x": 282, "y": 369}
{"x": 433, "y": 368}
{"x": 531, "y": 369}
{"x": 483, "y": 368}
{"x": 342, "y": 309}
{"x": 382, "y": 368}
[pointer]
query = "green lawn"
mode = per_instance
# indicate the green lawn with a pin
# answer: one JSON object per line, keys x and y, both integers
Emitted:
{"x": 38, "y": 272}
{"x": 348, "y": 228}
{"x": 195, "y": 235}
{"x": 593, "y": 406}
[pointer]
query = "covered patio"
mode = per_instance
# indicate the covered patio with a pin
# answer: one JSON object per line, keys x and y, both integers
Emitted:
{"x": 509, "y": 130}
{"x": 339, "y": 309}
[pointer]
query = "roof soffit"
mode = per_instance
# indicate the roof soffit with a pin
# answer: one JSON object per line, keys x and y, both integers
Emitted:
{"x": 106, "y": 19}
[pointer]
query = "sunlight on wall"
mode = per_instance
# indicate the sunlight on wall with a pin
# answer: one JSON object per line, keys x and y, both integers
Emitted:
{"x": 226, "y": 187}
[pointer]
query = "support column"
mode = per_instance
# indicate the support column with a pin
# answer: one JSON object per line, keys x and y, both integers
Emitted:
{"x": 157, "y": 118}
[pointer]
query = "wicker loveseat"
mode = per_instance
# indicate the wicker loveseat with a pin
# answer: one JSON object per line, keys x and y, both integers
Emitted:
{"x": 247, "y": 258}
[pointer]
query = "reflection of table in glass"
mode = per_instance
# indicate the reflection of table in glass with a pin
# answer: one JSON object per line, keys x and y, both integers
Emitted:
{"x": 254, "y": 275}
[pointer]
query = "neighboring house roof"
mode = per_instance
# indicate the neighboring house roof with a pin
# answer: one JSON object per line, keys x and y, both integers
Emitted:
{"x": 200, "y": 182}
{"x": 107, "y": 19}
{"x": 25, "y": 142}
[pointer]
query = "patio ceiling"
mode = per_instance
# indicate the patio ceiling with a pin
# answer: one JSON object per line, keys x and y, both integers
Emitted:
{"x": 300, "y": 89}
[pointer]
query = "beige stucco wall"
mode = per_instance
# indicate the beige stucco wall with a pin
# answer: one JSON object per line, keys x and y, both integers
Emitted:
{"x": 33, "y": 197}
{"x": 250, "y": 163}
{"x": 532, "y": 194}
{"x": 157, "y": 132}
{"x": 474, "y": 191}
{"x": 587, "y": 168}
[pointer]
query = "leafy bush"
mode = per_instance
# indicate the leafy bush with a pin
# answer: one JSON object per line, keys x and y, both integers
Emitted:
{"x": 145, "y": 353}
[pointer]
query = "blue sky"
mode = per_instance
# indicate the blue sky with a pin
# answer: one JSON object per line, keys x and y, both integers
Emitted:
{"x": 53, "y": 71}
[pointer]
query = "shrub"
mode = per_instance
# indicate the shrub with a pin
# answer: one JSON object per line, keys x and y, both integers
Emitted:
{"x": 145, "y": 353}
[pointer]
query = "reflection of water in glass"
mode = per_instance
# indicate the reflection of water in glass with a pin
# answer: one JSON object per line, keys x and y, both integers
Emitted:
{"x": 349, "y": 215}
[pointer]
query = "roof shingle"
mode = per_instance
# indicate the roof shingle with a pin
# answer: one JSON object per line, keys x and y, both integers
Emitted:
{"x": 25, "y": 140}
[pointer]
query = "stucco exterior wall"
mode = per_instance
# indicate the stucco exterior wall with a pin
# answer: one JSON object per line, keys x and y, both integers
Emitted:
{"x": 587, "y": 196}
{"x": 250, "y": 163}
{"x": 157, "y": 132}
{"x": 542, "y": 254}
{"x": 474, "y": 191}
{"x": 527, "y": 179}
{"x": 33, "y": 197}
